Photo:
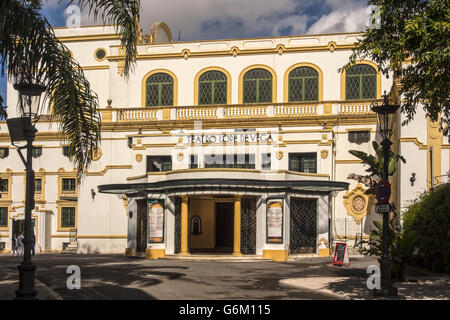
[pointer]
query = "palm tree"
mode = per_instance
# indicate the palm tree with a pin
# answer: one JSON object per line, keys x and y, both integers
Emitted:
{"x": 375, "y": 166}
{"x": 31, "y": 51}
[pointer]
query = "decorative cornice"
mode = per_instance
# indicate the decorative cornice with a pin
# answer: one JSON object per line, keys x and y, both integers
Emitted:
{"x": 415, "y": 141}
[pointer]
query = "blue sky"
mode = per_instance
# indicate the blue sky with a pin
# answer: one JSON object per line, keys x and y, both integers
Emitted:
{"x": 221, "y": 19}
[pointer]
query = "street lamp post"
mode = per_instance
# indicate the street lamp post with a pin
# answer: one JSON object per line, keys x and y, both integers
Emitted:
{"x": 386, "y": 121}
{"x": 23, "y": 129}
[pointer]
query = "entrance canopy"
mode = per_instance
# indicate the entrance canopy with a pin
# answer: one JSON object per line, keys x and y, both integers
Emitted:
{"x": 223, "y": 185}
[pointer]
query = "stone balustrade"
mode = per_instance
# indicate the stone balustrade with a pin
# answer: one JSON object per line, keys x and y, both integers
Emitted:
{"x": 246, "y": 111}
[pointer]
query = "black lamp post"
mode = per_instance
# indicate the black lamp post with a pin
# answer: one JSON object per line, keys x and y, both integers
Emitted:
{"x": 23, "y": 129}
{"x": 386, "y": 121}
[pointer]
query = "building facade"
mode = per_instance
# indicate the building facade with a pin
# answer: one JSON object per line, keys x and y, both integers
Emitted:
{"x": 236, "y": 147}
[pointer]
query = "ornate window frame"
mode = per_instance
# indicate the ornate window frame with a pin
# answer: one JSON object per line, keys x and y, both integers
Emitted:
{"x": 257, "y": 66}
{"x": 6, "y": 197}
{"x": 67, "y": 205}
{"x": 62, "y": 174}
{"x": 378, "y": 74}
{"x": 214, "y": 68}
{"x": 299, "y": 65}
{"x": 144, "y": 87}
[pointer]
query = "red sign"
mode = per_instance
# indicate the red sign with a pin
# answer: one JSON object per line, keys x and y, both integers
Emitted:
{"x": 341, "y": 254}
{"x": 383, "y": 191}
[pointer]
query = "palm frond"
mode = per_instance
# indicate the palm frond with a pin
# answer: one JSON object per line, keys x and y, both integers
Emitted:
{"x": 3, "y": 114}
{"x": 31, "y": 50}
{"x": 125, "y": 16}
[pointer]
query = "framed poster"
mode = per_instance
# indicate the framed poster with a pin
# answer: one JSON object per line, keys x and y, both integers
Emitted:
{"x": 274, "y": 221}
{"x": 156, "y": 221}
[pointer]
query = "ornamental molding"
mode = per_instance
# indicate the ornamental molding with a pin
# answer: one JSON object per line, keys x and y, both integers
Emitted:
{"x": 357, "y": 203}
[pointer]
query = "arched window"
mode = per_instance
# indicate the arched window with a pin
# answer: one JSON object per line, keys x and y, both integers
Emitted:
{"x": 303, "y": 84}
{"x": 196, "y": 225}
{"x": 212, "y": 88}
{"x": 159, "y": 90}
{"x": 361, "y": 82}
{"x": 257, "y": 86}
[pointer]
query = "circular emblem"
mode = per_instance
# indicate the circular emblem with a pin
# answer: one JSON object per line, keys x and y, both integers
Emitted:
{"x": 358, "y": 203}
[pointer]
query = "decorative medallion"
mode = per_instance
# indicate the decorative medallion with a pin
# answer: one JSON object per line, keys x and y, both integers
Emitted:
{"x": 185, "y": 53}
{"x": 180, "y": 156}
{"x": 97, "y": 154}
{"x": 331, "y": 46}
{"x": 139, "y": 157}
{"x": 280, "y": 50}
{"x": 280, "y": 155}
{"x": 357, "y": 203}
{"x": 324, "y": 154}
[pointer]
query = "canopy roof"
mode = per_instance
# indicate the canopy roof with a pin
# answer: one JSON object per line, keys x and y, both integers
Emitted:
{"x": 241, "y": 186}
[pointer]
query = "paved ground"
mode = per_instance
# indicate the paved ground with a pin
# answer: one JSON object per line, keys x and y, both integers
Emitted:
{"x": 119, "y": 277}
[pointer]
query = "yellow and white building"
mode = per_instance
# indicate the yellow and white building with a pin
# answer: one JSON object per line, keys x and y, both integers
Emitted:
{"x": 229, "y": 146}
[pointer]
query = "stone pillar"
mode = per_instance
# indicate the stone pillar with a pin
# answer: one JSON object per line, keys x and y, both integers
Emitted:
{"x": 237, "y": 227}
{"x": 184, "y": 225}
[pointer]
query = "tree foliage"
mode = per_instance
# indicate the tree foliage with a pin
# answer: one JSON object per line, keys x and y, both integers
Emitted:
{"x": 419, "y": 31}
{"x": 429, "y": 216}
{"x": 402, "y": 246}
{"x": 375, "y": 164}
{"x": 31, "y": 51}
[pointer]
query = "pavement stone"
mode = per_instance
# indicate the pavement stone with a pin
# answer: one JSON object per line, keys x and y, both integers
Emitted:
{"x": 118, "y": 277}
{"x": 348, "y": 283}
{"x": 9, "y": 283}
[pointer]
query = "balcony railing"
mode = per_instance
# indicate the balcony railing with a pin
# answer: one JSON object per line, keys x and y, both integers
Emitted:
{"x": 242, "y": 111}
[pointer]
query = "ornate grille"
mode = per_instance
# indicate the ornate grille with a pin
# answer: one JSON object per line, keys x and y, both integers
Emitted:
{"x": 248, "y": 226}
{"x": 212, "y": 88}
{"x": 257, "y": 86}
{"x": 141, "y": 226}
{"x": 303, "y": 226}
{"x": 303, "y": 84}
{"x": 361, "y": 82}
{"x": 177, "y": 224}
{"x": 67, "y": 217}
{"x": 159, "y": 90}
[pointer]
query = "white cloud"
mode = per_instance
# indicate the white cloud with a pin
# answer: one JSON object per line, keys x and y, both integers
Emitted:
{"x": 346, "y": 16}
{"x": 215, "y": 19}
{"x": 340, "y": 21}
{"x": 200, "y": 19}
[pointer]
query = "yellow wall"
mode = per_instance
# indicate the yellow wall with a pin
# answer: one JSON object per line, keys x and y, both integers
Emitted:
{"x": 205, "y": 210}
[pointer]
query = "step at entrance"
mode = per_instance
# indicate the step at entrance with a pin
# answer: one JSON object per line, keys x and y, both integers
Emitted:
{"x": 215, "y": 257}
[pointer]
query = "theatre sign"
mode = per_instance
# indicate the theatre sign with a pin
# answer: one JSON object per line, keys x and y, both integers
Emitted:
{"x": 254, "y": 137}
